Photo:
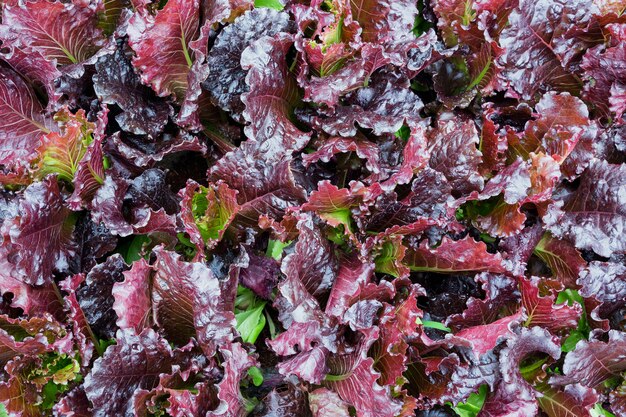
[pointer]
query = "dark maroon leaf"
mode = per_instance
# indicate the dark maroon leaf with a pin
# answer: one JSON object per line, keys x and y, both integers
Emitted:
{"x": 42, "y": 233}
{"x": 337, "y": 145}
{"x": 261, "y": 275}
{"x": 453, "y": 152}
{"x": 530, "y": 62}
{"x": 96, "y": 299}
{"x": 273, "y": 94}
{"x": 227, "y": 79}
{"x": 263, "y": 178}
{"x": 24, "y": 120}
{"x": 74, "y": 404}
{"x": 384, "y": 107}
{"x": 605, "y": 75}
{"x": 328, "y": 90}
{"x": 313, "y": 263}
{"x": 593, "y": 215}
{"x": 429, "y": 194}
{"x": 27, "y": 337}
{"x": 115, "y": 82}
{"x": 499, "y": 291}
{"x": 134, "y": 363}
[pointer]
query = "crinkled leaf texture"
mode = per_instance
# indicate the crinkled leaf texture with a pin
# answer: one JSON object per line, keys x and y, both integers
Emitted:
{"x": 63, "y": 33}
{"x": 273, "y": 208}
{"x": 42, "y": 232}
{"x": 227, "y": 79}
{"x": 24, "y": 120}
{"x": 164, "y": 57}
{"x": 135, "y": 362}
{"x": 593, "y": 216}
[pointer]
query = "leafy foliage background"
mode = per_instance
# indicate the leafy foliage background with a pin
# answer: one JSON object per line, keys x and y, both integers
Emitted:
{"x": 326, "y": 208}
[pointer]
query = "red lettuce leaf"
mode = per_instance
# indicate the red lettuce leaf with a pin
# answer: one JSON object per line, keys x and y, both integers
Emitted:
{"x": 328, "y": 90}
{"x": 264, "y": 181}
{"x": 95, "y": 297}
{"x": 530, "y": 62}
{"x": 134, "y": 363}
{"x": 617, "y": 99}
{"x": 513, "y": 389}
{"x": 330, "y": 147}
{"x": 310, "y": 272}
{"x": 564, "y": 260}
{"x": 187, "y": 302}
{"x": 115, "y": 82}
{"x": 261, "y": 275}
{"x": 593, "y": 215}
{"x": 63, "y": 33}
{"x": 273, "y": 94}
{"x": 133, "y": 304}
{"x": 39, "y": 73}
{"x": 43, "y": 231}
{"x": 164, "y": 56}
{"x": 16, "y": 394}
{"x": 594, "y": 361}
{"x": 24, "y": 120}
{"x": 601, "y": 67}
{"x": 429, "y": 193}
{"x": 353, "y": 378}
{"x": 74, "y": 404}
{"x": 227, "y": 79}
{"x": 285, "y": 401}
{"x": 557, "y": 403}
{"x": 618, "y": 399}
{"x": 453, "y": 152}
{"x": 485, "y": 337}
{"x": 27, "y": 337}
{"x": 542, "y": 311}
{"x": 143, "y": 205}
{"x": 499, "y": 291}
{"x": 83, "y": 335}
{"x": 207, "y": 212}
{"x": 326, "y": 403}
{"x": 236, "y": 363}
{"x": 140, "y": 154}
{"x": 332, "y": 204}
{"x": 454, "y": 256}
{"x": 605, "y": 282}
{"x": 352, "y": 275}
{"x": 383, "y": 106}
{"x": 562, "y": 121}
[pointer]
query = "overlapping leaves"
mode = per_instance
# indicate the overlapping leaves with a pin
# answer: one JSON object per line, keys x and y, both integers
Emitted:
{"x": 328, "y": 208}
